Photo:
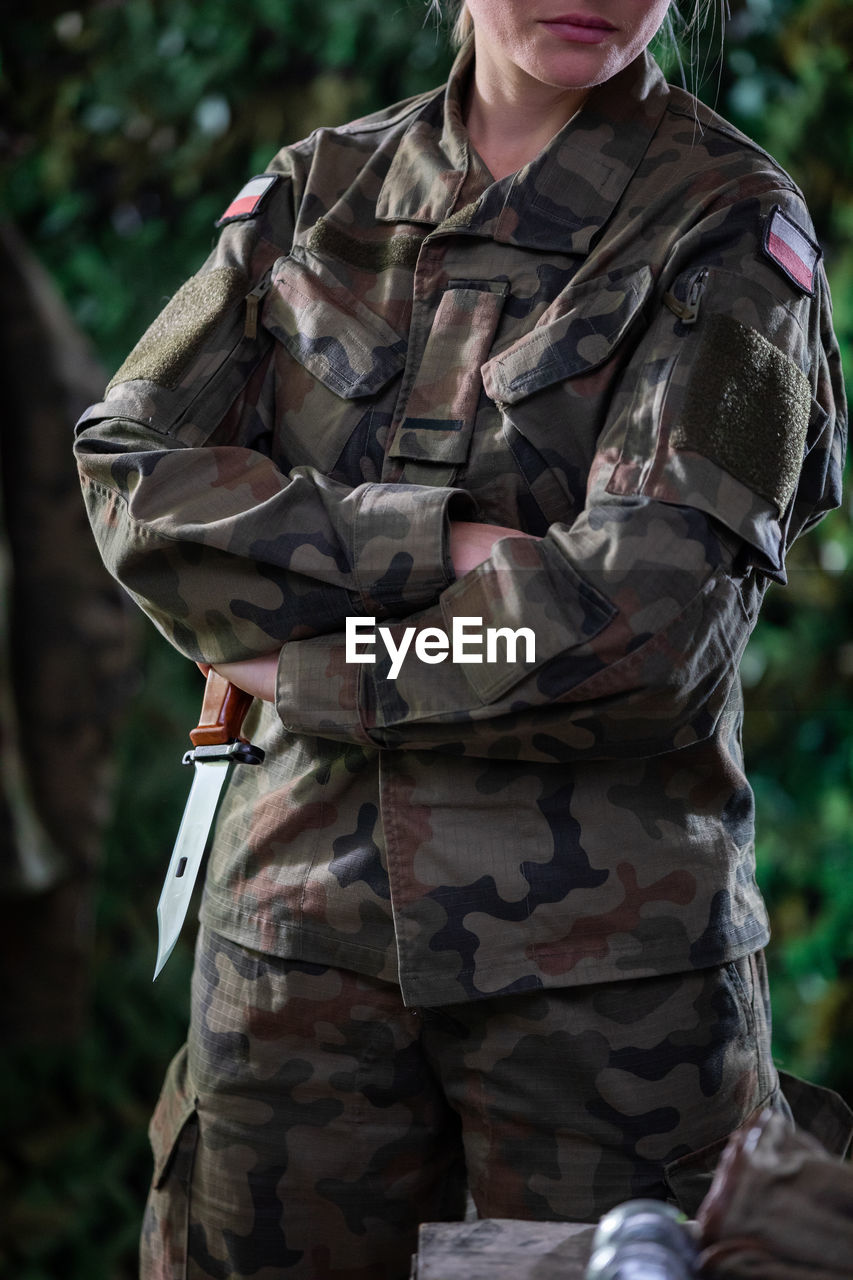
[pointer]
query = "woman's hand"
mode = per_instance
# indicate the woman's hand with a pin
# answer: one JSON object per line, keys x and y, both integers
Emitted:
{"x": 471, "y": 543}
{"x": 254, "y": 675}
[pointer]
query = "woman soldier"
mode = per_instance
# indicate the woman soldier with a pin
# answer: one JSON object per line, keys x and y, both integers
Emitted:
{"x": 487, "y": 915}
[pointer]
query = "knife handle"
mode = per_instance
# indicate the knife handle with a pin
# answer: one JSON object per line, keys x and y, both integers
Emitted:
{"x": 222, "y": 712}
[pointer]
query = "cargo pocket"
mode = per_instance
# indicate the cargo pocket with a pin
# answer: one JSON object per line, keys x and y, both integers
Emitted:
{"x": 332, "y": 354}
{"x": 174, "y": 1134}
{"x": 821, "y": 1112}
{"x": 817, "y": 1111}
{"x": 553, "y": 386}
{"x": 740, "y": 997}
{"x": 689, "y": 1177}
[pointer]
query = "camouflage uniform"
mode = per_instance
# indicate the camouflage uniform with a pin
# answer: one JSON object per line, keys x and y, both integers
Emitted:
{"x": 625, "y": 350}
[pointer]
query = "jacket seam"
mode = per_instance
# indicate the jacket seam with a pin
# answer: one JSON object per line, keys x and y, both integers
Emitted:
{"x": 711, "y": 121}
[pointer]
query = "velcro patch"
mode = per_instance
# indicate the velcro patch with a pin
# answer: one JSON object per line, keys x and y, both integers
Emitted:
{"x": 169, "y": 345}
{"x": 790, "y": 248}
{"x": 747, "y": 409}
{"x": 247, "y": 203}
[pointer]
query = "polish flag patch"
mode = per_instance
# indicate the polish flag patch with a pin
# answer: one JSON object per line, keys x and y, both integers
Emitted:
{"x": 790, "y": 248}
{"x": 248, "y": 202}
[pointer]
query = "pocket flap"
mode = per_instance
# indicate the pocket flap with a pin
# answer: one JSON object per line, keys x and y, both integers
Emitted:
{"x": 339, "y": 340}
{"x": 821, "y": 1112}
{"x": 593, "y": 319}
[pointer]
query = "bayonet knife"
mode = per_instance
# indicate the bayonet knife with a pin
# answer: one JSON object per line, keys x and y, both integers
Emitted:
{"x": 217, "y": 745}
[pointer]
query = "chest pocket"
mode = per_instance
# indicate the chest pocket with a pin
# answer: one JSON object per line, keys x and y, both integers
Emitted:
{"x": 333, "y": 360}
{"x": 553, "y": 386}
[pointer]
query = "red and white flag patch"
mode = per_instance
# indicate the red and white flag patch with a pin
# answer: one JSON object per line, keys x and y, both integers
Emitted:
{"x": 248, "y": 201}
{"x": 791, "y": 249}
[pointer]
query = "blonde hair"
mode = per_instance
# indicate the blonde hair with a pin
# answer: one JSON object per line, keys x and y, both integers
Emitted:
{"x": 462, "y": 27}
{"x": 457, "y": 16}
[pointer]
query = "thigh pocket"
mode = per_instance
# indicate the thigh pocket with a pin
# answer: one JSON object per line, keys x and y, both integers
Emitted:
{"x": 747, "y": 1079}
{"x": 173, "y": 1129}
{"x": 689, "y": 1178}
{"x": 741, "y": 981}
{"x": 174, "y": 1135}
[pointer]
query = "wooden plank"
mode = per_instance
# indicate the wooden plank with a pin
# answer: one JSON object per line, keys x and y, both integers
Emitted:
{"x": 502, "y": 1249}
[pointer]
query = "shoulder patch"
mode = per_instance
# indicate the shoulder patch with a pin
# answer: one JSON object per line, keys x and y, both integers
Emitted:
{"x": 248, "y": 202}
{"x": 791, "y": 249}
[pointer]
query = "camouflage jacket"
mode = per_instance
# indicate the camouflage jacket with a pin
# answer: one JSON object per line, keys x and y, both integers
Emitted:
{"x": 625, "y": 350}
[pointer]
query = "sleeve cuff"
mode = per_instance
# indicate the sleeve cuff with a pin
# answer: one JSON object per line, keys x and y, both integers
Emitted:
{"x": 401, "y": 557}
{"x": 524, "y": 588}
{"x": 317, "y": 690}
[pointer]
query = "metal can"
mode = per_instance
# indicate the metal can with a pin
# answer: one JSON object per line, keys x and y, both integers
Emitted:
{"x": 643, "y": 1240}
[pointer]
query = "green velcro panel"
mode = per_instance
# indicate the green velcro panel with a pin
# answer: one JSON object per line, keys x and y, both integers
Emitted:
{"x": 166, "y": 348}
{"x": 375, "y": 256}
{"x": 746, "y": 408}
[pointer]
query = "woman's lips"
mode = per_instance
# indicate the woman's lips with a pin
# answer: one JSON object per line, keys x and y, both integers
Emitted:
{"x": 580, "y": 28}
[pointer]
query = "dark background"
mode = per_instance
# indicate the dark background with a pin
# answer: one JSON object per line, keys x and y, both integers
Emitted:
{"x": 125, "y": 128}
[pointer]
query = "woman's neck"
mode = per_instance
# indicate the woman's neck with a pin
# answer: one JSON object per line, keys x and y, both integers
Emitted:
{"x": 510, "y": 116}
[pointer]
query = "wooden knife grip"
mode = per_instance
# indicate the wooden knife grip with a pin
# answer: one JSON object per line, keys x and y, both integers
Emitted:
{"x": 222, "y": 712}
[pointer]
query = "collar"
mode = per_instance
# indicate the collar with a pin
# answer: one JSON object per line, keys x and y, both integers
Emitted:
{"x": 557, "y": 202}
{"x": 434, "y": 156}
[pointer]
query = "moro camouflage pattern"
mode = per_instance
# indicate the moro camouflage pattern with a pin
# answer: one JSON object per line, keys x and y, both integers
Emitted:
{"x": 312, "y": 1120}
{"x": 599, "y": 351}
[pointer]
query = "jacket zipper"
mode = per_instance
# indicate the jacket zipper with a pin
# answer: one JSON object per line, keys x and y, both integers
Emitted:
{"x": 254, "y": 298}
{"x": 688, "y": 311}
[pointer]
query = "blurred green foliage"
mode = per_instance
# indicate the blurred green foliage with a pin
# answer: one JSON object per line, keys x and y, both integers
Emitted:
{"x": 125, "y": 127}
{"x": 144, "y": 117}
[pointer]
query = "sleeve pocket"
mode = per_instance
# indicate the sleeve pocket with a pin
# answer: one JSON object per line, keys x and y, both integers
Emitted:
{"x": 719, "y": 414}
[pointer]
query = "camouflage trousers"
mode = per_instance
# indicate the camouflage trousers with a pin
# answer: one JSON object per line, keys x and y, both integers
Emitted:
{"x": 312, "y": 1121}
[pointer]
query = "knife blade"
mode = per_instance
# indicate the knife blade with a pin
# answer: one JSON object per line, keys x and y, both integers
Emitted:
{"x": 217, "y": 745}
